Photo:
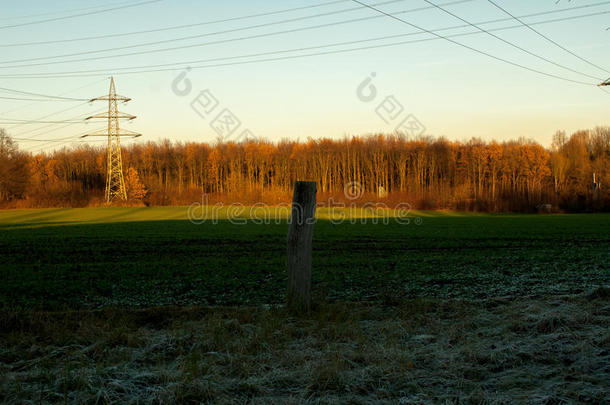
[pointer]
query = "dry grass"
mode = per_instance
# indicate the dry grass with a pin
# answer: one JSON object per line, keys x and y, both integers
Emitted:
{"x": 537, "y": 350}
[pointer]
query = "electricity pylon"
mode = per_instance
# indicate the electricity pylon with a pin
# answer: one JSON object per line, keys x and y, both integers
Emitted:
{"x": 115, "y": 184}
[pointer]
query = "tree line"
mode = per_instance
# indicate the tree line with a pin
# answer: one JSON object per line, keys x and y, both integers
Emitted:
{"x": 428, "y": 173}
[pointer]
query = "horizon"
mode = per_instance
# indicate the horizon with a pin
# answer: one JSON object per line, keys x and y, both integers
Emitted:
{"x": 425, "y": 139}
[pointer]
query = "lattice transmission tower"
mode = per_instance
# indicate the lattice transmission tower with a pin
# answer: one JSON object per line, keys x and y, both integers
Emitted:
{"x": 115, "y": 184}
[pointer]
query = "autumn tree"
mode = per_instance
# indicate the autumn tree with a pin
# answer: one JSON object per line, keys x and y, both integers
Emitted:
{"x": 14, "y": 173}
{"x": 136, "y": 191}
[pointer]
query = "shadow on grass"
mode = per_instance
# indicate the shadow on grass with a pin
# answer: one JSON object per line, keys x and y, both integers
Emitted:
{"x": 171, "y": 262}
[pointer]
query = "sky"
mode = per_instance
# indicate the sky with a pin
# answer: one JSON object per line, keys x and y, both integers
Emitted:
{"x": 446, "y": 89}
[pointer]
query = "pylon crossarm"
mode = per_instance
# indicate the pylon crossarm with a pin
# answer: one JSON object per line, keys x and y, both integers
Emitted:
{"x": 106, "y": 98}
{"x": 118, "y": 115}
{"x": 122, "y": 132}
{"x": 122, "y": 135}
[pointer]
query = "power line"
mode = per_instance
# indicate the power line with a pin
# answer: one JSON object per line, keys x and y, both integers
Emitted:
{"x": 21, "y": 17}
{"x": 511, "y": 43}
{"x": 52, "y": 140}
{"x": 62, "y": 94}
{"x": 164, "y": 41}
{"x": 74, "y": 140}
{"x": 42, "y": 140}
{"x": 220, "y": 32}
{"x": 43, "y": 95}
{"x": 548, "y": 39}
{"x": 175, "y": 27}
{"x": 469, "y": 47}
{"x": 38, "y": 149}
{"x": 13, "y": 121}
{"x": 28, "y": 99}
{"x": 72, "y": 121}
{"x": 337, "y": 44}
{"x": 78, "y": 15}
{"x": 47, "y": 142}
{"x": 89, "y": 72}
{"x": 255, "y": 36}
{"x": 49, "y": 115}
{"x": 50, "y": 130}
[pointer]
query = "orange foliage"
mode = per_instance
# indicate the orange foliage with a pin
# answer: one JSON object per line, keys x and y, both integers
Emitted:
{"x": 427, "y": 172}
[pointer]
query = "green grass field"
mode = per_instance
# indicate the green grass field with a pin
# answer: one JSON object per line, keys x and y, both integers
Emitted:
{"x": 93, "y": 257}
{"x": 139, "y": 305}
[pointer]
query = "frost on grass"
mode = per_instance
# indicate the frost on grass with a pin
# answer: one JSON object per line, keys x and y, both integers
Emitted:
{"x": 543, "y": 350}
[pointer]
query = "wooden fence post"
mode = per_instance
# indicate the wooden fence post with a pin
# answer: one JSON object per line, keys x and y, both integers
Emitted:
{"x": 298, "y": 254}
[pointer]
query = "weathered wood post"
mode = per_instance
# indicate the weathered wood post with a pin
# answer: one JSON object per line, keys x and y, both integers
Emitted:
{"x": 298, "y": 254}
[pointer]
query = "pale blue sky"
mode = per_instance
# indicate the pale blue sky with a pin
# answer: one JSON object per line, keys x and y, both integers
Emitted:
{"x": 453, "y": 91}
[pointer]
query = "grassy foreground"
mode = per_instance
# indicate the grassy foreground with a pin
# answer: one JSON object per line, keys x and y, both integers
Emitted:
{"x": 90, "y": 258}
{"x": 131, "y": 305}
{"x": 532, "y": 351}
